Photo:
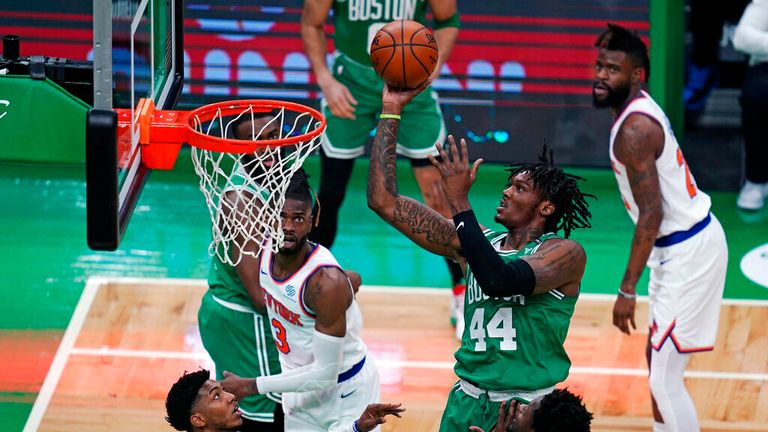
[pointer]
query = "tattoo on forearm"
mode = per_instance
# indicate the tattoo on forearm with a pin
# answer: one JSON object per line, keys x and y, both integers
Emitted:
{"x": 389, "y": 156}
{"x": 384, "y": 158}
{"x": 422, "y": 220}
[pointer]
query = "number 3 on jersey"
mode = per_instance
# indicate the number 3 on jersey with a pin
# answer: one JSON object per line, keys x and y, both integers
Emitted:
{"x": 280, "y": 338}
{"x": 499, "y": 327}
{"x": 690, "y": 186}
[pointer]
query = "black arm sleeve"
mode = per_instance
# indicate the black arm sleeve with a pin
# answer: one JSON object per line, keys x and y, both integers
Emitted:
{"x": 496, "y": 278}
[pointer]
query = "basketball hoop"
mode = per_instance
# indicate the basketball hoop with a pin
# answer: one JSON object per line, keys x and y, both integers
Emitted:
{"x": 243, "y": 180}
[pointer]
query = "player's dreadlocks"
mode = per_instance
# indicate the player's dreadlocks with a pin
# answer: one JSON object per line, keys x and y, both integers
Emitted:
{"x": 561, "y": 411}
{"x": 618, "y": 38}
{"x": 182, "y": 398}
{"x": 559, "y": 187}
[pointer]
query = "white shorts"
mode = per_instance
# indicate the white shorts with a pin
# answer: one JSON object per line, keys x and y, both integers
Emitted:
{"x": 686, "y": 289}
{"x": 335, "y": 408}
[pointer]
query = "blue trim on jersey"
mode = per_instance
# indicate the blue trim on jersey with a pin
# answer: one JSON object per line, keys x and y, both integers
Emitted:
{"x": 681, "y": 236}
{"x": 351, "y": 372}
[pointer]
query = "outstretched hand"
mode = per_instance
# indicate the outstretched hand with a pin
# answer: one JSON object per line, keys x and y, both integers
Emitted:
{"x": 237, "y": 385}
{"x": 456, "y": 173}
{"x": 505, "y": 418}
{"x": 393, "y": 99}
{"x": 374, "y": 415}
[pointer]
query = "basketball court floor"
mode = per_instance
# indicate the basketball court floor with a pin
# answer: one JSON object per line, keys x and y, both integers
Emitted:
{"x": 93, "y": 340}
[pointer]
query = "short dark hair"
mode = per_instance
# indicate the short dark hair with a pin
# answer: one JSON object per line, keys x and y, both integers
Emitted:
{"x": 559, "y": 187}
{"x": 561, "y": 411}
{"x": 182, "y": 398}
{"x": 246, "y": 117}
{"x": 618, "y": 38}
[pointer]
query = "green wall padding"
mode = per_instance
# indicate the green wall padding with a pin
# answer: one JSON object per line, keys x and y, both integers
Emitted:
{"x": 41, "y": 122}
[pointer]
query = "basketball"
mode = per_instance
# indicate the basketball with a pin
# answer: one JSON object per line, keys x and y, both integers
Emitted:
{"x": 404, "y": 53}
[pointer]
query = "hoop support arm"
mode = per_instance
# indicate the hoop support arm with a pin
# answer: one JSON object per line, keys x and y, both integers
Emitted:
{"x": 161, "y": 133}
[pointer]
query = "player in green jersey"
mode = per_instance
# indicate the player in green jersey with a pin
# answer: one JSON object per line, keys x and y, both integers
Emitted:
{"x": 233, "y": 321}
{"x": 522, "y": 283}
{"x": 352, "y": 100}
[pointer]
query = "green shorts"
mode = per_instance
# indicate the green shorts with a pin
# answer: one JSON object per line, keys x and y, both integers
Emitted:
{"x": 470, "y": 406}
{"x": 240, "y": 340}
{"x": 421, "y": 126}
{"x": 463, "y": 411}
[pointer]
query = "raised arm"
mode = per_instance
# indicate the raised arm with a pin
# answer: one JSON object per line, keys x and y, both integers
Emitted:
{"x": 446, "y": 29}
{"x": 418, "y": 222}
{"x": 313, "y": 16}
{"x": 639, "y": 143}
{"x": 557, "y": 264}
{"x": 247, "y": 268}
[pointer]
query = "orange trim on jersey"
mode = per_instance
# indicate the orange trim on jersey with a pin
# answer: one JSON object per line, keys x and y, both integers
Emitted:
{"x": 669, "y": 335}
{"x": 640, "y": 95}
{"x": 280, "y": 282}
{"x": 304, "y": 283}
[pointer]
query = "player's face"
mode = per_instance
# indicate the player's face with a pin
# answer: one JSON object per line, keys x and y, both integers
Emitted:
{"x": 520, "y": 203}
{"x": 613, "y": 79}
{"x": 260, "y": 129}
{"x": 523, "y": 421}
{"x": 296, "y": 218}
{"x": 217, "y": 408}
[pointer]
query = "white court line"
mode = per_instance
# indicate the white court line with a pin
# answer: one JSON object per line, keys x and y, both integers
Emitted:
{"x": 63, "y": 353}
{"x": 404, "y": 290}
{"x": 66, "y": 347}
{"x": 400, "y": 364}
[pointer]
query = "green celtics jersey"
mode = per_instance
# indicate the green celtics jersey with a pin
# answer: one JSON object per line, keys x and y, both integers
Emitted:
{"x": 357, "y": 21}
{"x": 514, "y": 343}
{"x": 223, "y": 280}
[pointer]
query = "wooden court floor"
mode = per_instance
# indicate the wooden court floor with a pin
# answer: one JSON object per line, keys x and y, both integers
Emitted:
{"x": 130, "y": 339}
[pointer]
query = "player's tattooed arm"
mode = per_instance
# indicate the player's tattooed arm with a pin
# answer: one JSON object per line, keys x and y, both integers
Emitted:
{"x": 421, "y": 224}
{"x": 558, "y": 264}
{"x": 639, "y": 143}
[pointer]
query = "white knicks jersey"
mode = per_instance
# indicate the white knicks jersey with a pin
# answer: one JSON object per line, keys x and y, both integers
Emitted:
{"x": 293, "y": 323}
{"x": 682, "y": 202}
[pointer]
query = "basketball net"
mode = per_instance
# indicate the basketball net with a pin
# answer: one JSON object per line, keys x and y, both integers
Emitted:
{"x": 245, "y": 192}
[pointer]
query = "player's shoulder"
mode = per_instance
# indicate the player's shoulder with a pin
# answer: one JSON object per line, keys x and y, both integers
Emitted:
{"x": 572, "y": 247}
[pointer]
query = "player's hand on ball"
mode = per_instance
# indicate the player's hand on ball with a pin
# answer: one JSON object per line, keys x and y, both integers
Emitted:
{"x": 393, "y": 99}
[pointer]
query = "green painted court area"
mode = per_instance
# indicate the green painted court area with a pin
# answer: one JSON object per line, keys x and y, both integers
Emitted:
{"x": 45, "y": 259}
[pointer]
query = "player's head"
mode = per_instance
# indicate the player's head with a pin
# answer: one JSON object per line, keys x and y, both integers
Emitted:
{"x": 198, "y": 403}
{"x": 296, "y": 215}
{"x": 256, "y": 127}
{"x": 557, "y": 411}
{"x": 622, "y": 63}
{"x": 543, "y": 190}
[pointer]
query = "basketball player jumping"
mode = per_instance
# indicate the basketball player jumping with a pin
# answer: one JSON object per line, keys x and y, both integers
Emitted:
{"x": 676, "y": 235}
{"x": 522, "y": 283}
{"x": 327, "y": 380}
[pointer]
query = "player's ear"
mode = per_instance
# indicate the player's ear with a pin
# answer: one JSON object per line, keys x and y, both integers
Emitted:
{"x": 197, "y": 420}
{"x": 546, "y": 208}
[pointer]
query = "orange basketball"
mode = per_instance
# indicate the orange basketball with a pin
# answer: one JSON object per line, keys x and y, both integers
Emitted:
{"x": 404, "y": 53}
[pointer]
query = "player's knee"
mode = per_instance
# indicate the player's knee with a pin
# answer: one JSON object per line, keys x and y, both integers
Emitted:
{"x": 665, "y": 385}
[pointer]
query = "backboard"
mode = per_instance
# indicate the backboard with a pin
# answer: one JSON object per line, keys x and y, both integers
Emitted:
{"x": 137, "y": 53}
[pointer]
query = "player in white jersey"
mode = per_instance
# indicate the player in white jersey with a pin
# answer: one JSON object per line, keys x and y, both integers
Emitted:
{"x": 676, "y": 235}
{"x": 327, "y": 378}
